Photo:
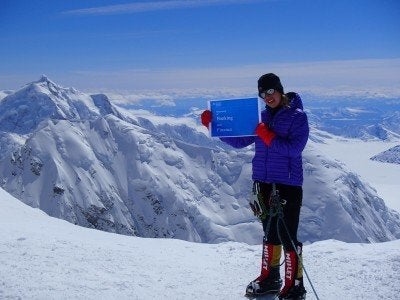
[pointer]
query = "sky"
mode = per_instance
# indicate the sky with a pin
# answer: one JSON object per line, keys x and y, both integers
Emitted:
{"x": 195, "y": 47}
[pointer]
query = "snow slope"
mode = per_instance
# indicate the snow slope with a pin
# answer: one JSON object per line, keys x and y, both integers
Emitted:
{"x": 339, "y": 204}
{"x": 46, "y": 258}
{"x": 381, "y": 171}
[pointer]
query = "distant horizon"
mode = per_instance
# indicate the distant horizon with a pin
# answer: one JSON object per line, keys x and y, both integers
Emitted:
{"x": 305, "y": 78}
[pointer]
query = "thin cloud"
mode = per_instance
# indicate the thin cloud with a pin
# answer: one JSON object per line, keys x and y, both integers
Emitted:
{"x": 366, "y": 78}
{"x": 139, "y": 7}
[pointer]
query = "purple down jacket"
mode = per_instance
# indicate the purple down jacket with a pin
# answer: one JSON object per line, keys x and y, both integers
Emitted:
{"x": 281, "y": 162}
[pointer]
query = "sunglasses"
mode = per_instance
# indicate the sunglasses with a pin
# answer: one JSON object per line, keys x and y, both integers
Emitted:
{"x": 266, "y": 93}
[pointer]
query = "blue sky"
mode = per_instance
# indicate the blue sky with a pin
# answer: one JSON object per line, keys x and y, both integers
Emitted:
{"x": 218, "y": 46}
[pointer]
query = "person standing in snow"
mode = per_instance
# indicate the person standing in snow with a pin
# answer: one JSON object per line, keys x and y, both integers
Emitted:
{"x": 277, "y": 167}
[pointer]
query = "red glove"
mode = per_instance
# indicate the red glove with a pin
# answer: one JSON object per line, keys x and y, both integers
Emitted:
{"x": 206, "y": 117}
{"x": 265, "y": 133}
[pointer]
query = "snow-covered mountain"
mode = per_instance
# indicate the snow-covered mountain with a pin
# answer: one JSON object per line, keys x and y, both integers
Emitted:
{"x": 363, "y": 118}
{"x": 80, "y": 158}
{"x": 339, "y": 204}
{"x": 391, "y": 155}
{"x": 47, "y": 258}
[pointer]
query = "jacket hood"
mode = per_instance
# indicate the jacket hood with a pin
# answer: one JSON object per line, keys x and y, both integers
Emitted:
{"x": 295, "y": 100}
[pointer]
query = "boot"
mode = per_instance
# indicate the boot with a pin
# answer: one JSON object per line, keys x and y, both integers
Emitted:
{"x": 269, "y": 280}
{"x": 294, "y": 288}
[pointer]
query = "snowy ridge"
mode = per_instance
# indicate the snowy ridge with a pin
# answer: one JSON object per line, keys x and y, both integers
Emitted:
{"x": 22, "y": 111}
{"x": 80, "y": 158}
{"x": 391, "y": 155}
{"x": 338, "y": 204}
{"x": 47, "y": 258}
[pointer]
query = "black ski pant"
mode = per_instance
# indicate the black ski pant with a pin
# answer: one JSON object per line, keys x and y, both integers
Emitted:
{"x": 277, "y": 233}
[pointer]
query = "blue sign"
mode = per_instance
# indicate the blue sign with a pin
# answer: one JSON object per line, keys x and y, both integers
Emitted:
{"x": 235, "y": 117}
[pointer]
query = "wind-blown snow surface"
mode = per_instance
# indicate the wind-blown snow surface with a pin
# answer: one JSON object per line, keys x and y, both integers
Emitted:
{"x": 80, "y": 158}
{"x": 46, "y": 258}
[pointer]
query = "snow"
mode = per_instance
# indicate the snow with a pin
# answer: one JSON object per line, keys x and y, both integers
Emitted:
{"x": 357, "y": 154}
{"x": 4, "y": 93}
{"x": 46, "y": 258}
{"x": 390, "y": 156}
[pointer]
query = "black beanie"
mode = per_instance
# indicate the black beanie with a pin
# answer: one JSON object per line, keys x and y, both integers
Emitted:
{"x": 270, "y": 81}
